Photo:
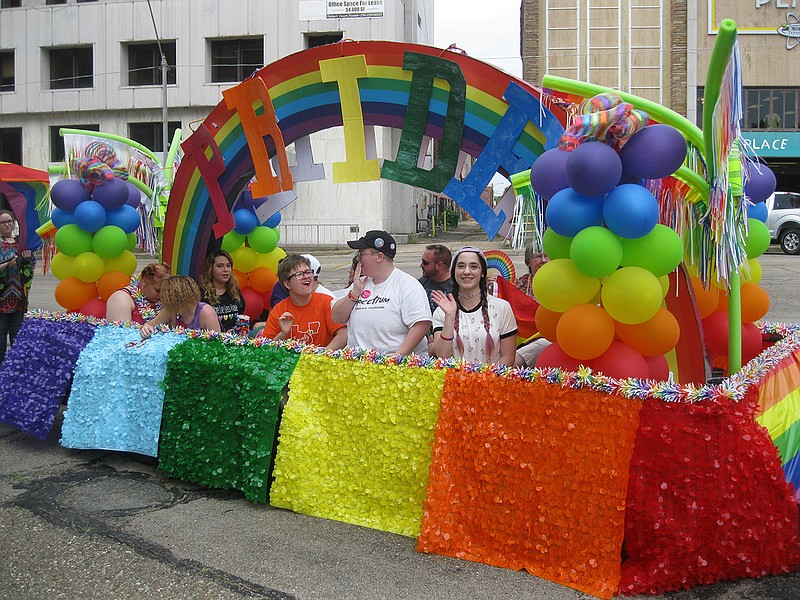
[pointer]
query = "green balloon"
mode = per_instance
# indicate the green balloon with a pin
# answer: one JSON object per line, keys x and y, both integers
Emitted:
{"x": 555, "y": 246}
{"x": 232, "y": 241}
{"x": 109, "y": 241}
{"x": 660, "y": 251}
{"x": 73, "y": 241}
{"x": 596, "y": 251}
{"x": 132, "y": 241}
{"x": 757, "y": 240}
{"x": 263, "y": 239}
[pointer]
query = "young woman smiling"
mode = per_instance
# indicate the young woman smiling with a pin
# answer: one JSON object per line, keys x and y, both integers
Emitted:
{"x": 469, "y": 323}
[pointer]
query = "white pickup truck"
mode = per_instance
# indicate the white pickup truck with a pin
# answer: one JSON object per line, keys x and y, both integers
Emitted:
{"x": 783, "y": 220}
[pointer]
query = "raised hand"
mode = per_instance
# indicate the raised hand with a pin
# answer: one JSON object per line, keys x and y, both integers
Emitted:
{"x": 445, "y": 301}
{"x": 285, "y": 321}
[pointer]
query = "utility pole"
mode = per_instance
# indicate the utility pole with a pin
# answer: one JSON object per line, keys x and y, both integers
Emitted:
{"x": 164, "y": 109}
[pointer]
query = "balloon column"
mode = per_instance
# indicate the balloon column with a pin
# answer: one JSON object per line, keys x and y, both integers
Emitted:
{"x": 712, "y": 301}
{"x": 601, "y": 294}
{"x": 96, "y": 219}
{"x": 255, "y": 253}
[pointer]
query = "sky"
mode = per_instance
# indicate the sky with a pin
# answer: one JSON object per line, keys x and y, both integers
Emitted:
{"x": 485, "y": 29}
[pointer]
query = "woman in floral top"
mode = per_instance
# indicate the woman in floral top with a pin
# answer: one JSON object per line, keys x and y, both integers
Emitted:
{"x": 16, "y": 273}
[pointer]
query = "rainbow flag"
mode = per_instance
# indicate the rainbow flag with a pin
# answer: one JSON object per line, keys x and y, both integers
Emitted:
{"x": 779, "y": 408}
{"x": 524, "y": 308}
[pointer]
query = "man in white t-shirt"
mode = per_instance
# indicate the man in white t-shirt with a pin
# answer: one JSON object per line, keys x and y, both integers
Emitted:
{"x": 385, "y": 308}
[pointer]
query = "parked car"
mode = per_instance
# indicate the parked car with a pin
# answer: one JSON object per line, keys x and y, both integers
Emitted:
{"x": 783, "y": 220}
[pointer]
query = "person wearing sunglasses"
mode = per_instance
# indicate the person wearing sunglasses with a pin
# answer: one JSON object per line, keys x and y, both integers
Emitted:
{"x": 16, "y": 274}
{"x": 435, "y": 265}
{"x": 306, "y": 314}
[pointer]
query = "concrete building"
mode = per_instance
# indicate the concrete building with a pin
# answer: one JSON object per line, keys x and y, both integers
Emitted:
{"x": 96, "y": 65}
{"x": 660, "y": 50}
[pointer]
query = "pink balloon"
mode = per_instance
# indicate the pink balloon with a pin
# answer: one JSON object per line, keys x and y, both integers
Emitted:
{"x": 554, "y": 357}
{"x": 621, "y": 361}
{"x": 253, "y": 303}
{"x": 94, "y": 308}
{"x": 658, "y": 367}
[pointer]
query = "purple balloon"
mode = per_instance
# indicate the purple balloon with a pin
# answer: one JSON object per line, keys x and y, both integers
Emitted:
{"x": 569, "y": 212}
{"x": 630, "y": 211}
{"x": 134, "y": 195}
{"x": 68, "y": 193}
{"x": 593, "y": 169}
{"x": 761, "y": 184}
{"x": 654, "y": 152}
{"x": 111, "y": 193}
{"x": 548, "y": 174}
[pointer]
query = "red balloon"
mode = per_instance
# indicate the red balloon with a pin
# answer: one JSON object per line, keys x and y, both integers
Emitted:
{"x": 621, "y": 361}
{"x": 715, "y": 332}
{"x": 94, "y": 308}
{"x": 553, "y": 356}
{"x": 253, "y": 303}
{"x": 752, "y": 342}
{"x": 658, "y": 367}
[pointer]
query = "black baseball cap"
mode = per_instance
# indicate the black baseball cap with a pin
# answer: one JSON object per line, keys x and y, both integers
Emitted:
{"x": 376, "y": 240}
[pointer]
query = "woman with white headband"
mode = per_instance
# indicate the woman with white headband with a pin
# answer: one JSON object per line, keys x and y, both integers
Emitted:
{"x": 469, "y": 323}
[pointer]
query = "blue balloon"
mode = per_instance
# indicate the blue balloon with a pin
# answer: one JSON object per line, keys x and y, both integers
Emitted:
{"x": 273, "y": 221}
{"x": 112, "y": 193}
{"x": 244, "y": 220}
{"x": 125, "y": 217}
{"x": 758, "y": 211}
{"x": 62, "y": 217}
{"x": 630, "y": 211}
{"x": 569, "y": 212}
{"x": 68, "y": 193}
{"x": 90, "y": 216}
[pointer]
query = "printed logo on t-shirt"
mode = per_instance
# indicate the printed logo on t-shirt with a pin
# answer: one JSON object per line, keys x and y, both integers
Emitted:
{"x": 307, "y": 336}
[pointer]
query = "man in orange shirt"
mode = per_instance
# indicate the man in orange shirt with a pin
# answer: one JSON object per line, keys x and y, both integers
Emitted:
{"x": 305, "y": 315}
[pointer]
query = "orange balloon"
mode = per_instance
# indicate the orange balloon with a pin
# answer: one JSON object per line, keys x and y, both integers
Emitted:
{"x": 723, "y": 302}
{"x": 241, "y": 278}
{"x": 585, "y": 331}
{"x": 707, "y": 299}
{"x": 111, "y": 282}
{"x": 72, "y": 293}
{"x": 755, "y": 302}
{"x": 262, "y": 279}
{"x": 546, "y": 322}
{"x": 654, "y": 337}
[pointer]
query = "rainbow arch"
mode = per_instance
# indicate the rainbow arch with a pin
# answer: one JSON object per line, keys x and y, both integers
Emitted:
{"x": 305, "y": 104}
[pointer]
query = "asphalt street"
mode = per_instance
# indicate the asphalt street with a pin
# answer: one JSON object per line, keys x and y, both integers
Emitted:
{"x": 96, "y": 524}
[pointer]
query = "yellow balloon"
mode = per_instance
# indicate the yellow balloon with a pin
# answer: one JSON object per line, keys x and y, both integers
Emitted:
{"x": 558, "y": 285}
{"x": 753, "y": 271}
{"x": 125, "y": 263}
{"x": 245, "y": 259}
{"x": 62, "y": 266}
{"x": 88, "y": 267}
{"x": 632, "y": 295}
{"x": 271, "y": 259}
{"x": 664, "y": 281}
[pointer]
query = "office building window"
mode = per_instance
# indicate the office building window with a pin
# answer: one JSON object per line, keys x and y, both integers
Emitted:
{"x": 771, "y": 108}
{"x": 10, "y": 3}
{"x": 57, "y": 153}
{"x": 7, "y": 71}
{"x": 235, "y": 59}
{"x": 54, "y": 2}
{"x": 149, "y": 134}
{"x": 322, "y": 39}
{"x": 71, "y": 68}
{"x": 11, "y": 144}
{"x": 144, "y": 63}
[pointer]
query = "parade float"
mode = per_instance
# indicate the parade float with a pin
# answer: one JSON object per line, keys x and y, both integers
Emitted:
{"x": 623, "y": 484}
